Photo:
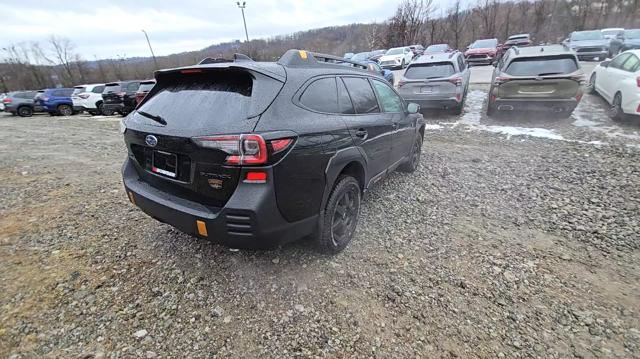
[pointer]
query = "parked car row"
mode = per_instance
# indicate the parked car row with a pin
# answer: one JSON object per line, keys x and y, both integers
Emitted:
{"x": 96, "y": 99}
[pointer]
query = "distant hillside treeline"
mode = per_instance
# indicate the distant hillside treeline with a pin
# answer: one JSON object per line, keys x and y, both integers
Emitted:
{"x": 55, "y": 62}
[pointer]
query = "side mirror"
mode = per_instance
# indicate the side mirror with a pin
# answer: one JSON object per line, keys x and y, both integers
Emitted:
{"x": 605, "y": 63}
{"x": 413, "y": 107}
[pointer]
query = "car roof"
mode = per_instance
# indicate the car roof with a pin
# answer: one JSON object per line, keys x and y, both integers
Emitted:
{"x": 437, "y": 57}
{"x": 613, "y": 29}
{"x": 544, "y": 50}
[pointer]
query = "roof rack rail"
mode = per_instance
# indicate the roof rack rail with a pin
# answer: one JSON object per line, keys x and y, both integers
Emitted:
{"x": 216, "y": 60}
{"x": 303, "y": 58}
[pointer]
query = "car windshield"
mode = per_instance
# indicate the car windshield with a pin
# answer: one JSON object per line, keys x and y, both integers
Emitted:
{"x": 111, "y": 88}
{"x": 542, "y": 66}
{"x": 429, "y": 71}
{"x": 437, "y": 48}
{"x": 587, "y": 35}
{"x": 395, "y": 51}
{"x": 632, "y": 34}
{"x": 361, "y": 56}
{"x": 484, "y": 44}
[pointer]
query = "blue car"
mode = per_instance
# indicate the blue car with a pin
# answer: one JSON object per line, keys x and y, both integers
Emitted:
{"x": 374, "y": 67}
{"x": 56, "y": 101}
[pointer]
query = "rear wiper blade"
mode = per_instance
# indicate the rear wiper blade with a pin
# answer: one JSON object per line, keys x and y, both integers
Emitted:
{"x": 153, "y": 117}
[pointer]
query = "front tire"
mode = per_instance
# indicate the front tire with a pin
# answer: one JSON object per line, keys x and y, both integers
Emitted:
{"x": 412, "y": 163}
{"x": 615, "y": 112}
{"x": 340, "y": 216}
{"x": 591, "y": 89}
{"x": 65, "y": 110}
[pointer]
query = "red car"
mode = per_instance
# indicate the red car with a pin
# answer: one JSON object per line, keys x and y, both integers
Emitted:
{"x": 519, "y": 40}
{"x": 482, "y": 52}
{"x": 145, "y": 87}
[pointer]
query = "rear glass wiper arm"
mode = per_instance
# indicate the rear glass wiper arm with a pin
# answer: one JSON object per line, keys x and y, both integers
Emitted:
{"x": 153, "y": 117}
{"x": 550, "y": 73}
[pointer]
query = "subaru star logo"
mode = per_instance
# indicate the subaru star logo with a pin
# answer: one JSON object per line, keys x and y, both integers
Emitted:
{"x": 151, "y": 140}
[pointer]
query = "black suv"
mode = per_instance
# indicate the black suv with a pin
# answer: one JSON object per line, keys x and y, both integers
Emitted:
{"x": 119, "y": 97}
{"x": 255, "y": 154}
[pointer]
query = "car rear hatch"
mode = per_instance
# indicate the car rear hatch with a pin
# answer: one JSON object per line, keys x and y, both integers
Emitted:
{"x": 112, "y": 93}
{"x": 548, "y": 77}
{"x": 437, "y": 79}
{"x": 214, "y": 101}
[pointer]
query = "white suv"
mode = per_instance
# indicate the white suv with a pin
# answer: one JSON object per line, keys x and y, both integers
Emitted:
{"x": 88, "y": 98}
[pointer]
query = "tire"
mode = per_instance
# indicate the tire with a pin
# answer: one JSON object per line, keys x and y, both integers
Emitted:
{"x": 414, "y": 157}
{"x": 107, "y": 112}
{"x": 339, "y": 218}
{"x": 591, "y": 88}
{"x": 99, "y": 107}
{"x": 458, "y": 109}
{"x": 25, "y": 111}
{"x": 490, "y": 110}
{"x": 615, "y": 112}
{"x": 65, "y": 110}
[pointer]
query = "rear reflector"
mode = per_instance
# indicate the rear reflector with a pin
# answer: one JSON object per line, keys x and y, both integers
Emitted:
{"x": 7, "y": 100}
{"x": 255, "y": 177}
{"x": 638, "y": 109}
{"x": 202, "y": 228}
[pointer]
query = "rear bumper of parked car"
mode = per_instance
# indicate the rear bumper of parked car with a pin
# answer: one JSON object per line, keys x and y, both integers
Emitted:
{"x": 434, "y": 102}
{"x": 539, "y": 105}
{"x": 486, "y": 60}
{"x": 115, "y": 107}
{"x": 249, "y": 219}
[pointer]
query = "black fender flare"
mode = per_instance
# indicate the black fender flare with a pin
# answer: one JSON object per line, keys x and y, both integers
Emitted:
{"x": 336, "y": 164}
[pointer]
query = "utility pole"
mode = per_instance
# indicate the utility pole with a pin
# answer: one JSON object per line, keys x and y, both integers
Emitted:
{"x": 242, "y": 6}
{"x": 151, "y": 49}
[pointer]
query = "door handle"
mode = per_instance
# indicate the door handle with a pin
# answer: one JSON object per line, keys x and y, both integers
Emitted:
{"x": 361, "y": 133}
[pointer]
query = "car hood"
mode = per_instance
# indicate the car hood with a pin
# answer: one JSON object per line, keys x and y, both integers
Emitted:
{"x": 391, "y": 57}
{"x": 487, "y": 50}
{"x": 589, "y": 43}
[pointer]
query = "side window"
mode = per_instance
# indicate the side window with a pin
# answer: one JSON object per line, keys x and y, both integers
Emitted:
{"x": 617, "y": 62}
{"x": 133, "y": 87}
{"x": 631, "y": 64}
{"x": 320, "y": 96}
{"x": 345, "y": 106}
{"x": 98, "y": 89}
{"x": 364, "y": 100}
{"x": 460, "y": 63}
{"x": 57, "y": 93}
{"x": 389, "y": 100}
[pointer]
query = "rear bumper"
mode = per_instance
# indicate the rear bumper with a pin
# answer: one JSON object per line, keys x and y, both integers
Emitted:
{"x": 250, "y": 219}
{"x": 541, "y": 105}
{"x": 434, "y": 103}
{"x": 480, "y": 60}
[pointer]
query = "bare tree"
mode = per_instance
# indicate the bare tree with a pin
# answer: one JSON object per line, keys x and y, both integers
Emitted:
{"x": 455, "y": 21}
{"x": 62, "y": 50}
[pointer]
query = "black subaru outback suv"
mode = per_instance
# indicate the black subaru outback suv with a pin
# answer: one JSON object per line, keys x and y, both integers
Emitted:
{"x": 255, "y": 154}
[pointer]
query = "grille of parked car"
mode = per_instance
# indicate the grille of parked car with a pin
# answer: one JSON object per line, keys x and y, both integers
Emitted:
{"x": 477, "y": 56}
{"x": 388, "y": 62}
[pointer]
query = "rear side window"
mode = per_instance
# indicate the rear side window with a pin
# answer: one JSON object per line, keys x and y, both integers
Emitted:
{"x": 133, "y": 87}
{"x": 145, "y": 87}
{"x": 197, "y": 101}
{"x": 321, "y": 96}
{"x": 631, "y": 64}
{"x": 77, "y": 90}
{"x": 112, "y": 88}
{"x": 541, "y": 66}
{"x": 617, "y": 62}
{"x": 430, "y": 71}
{"x": 389, "y": 100}
{"x": 98, "y": 89}
{"x": 345, "y": 106}
{"x": 362, "y": 96}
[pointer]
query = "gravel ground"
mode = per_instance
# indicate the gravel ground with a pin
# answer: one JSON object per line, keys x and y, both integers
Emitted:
{"x": 499, "y": 246}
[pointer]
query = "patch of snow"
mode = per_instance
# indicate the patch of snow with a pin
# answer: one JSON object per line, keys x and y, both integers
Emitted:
{"x": 433, "y": 127}
{"x": 522, "y": 131}
{"x": 583, "y": 122}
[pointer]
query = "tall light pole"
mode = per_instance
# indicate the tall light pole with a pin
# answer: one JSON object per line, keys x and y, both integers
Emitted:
{"x": 150, "y": 48}
{"x": 242, "y": 6}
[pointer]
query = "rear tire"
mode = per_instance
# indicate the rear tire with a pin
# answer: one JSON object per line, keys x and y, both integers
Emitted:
{"x": 107, "y": 112}
{"x": 65, "y": 110}
{"x": 25, "y": 111}
{"x": 339, "y": 218}
{"x": 414, "y": 157}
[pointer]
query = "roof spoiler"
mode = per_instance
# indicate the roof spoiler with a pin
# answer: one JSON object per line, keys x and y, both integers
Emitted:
{"x": 303, "y": 58}
{"x": 217, "y": 60}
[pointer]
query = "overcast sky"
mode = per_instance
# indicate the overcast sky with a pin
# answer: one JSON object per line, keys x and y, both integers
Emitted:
{"x": 113, "y": 28}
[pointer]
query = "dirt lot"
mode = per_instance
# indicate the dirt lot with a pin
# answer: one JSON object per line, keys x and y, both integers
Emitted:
{"x": 501, "y": 245}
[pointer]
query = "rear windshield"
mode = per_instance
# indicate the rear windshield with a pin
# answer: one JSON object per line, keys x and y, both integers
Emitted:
{"x": 145, "y": 87}
{"x": 542, "y": 66}
{"x": 194, "y": 100}
{"x": 395, "y": 51}
{"x": 484, "y": 44}
{"x": 430, "y": 71}
{"x": 112, "y": 88}
{"x": 437, "y": 48}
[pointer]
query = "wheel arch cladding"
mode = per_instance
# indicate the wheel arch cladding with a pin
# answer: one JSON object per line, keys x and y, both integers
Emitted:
{"x": 355, "y": 170}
